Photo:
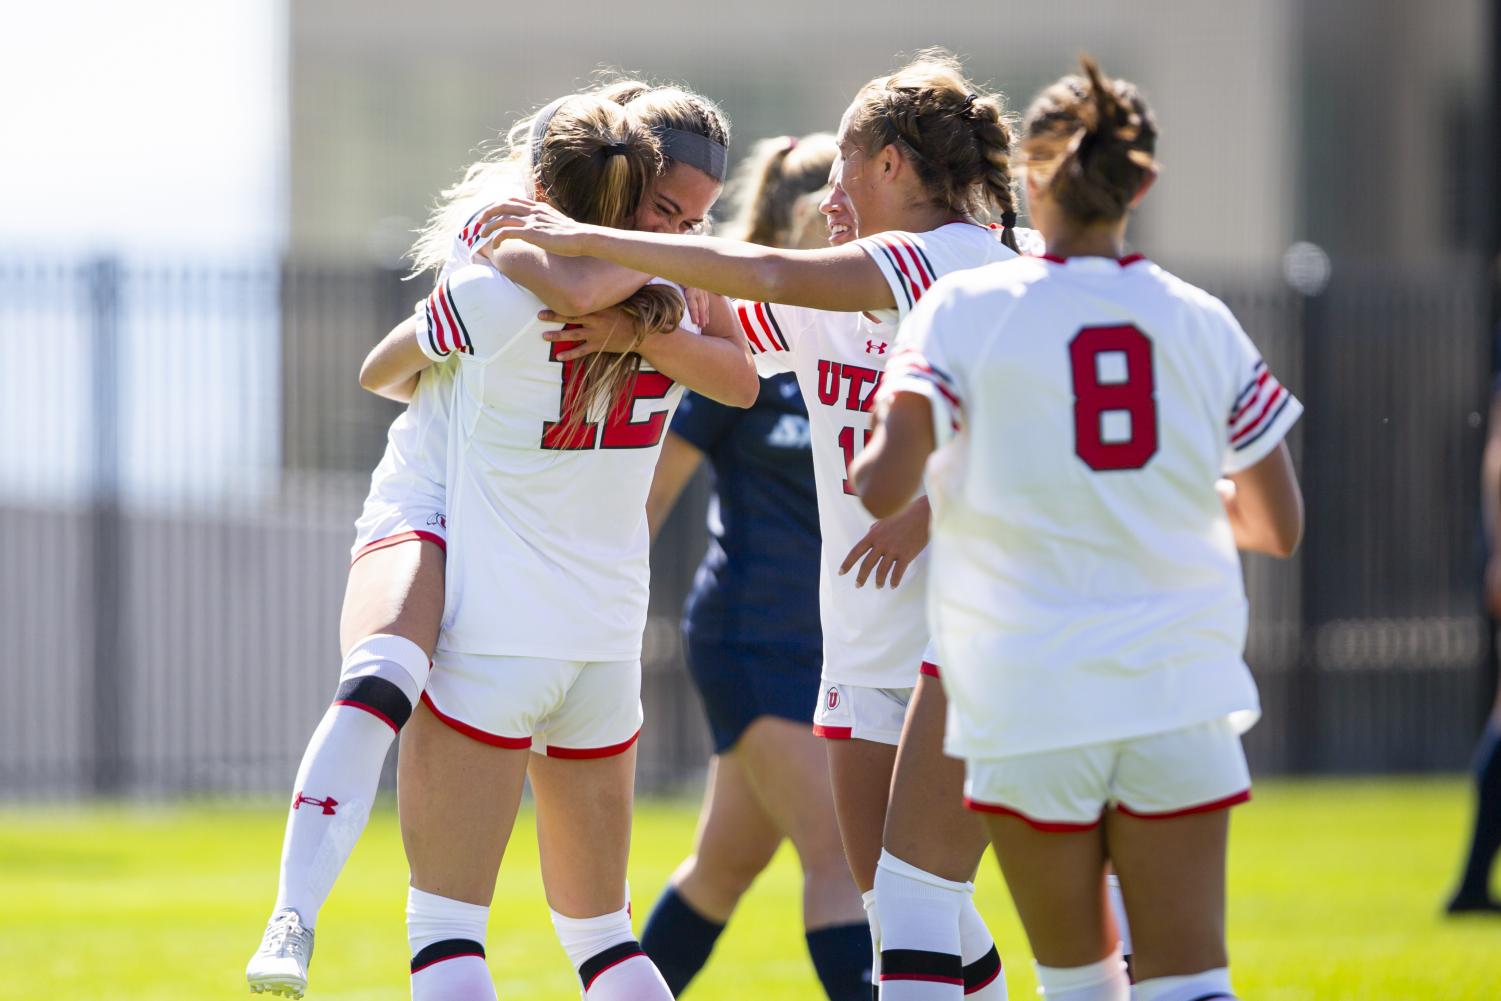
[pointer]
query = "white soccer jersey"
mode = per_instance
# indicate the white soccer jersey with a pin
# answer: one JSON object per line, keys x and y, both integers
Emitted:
{"x": 1085, "y": 583}
{"x": 872, "y": 636}
{"x": 548, "y": 541}
{"x": 407, "y": 498}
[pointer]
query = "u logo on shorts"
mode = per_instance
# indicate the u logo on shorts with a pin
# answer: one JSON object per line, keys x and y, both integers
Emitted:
{"x": 833, "y": 700}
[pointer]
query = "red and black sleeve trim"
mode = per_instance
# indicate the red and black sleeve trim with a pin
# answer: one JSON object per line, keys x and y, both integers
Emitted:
{"x": 449, "y": 948}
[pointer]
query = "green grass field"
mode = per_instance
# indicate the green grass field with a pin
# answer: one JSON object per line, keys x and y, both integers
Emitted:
{"x": 1335, "y": 893}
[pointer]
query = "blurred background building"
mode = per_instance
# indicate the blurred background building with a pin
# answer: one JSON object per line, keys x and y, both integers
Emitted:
{"x": 202, "y": 229}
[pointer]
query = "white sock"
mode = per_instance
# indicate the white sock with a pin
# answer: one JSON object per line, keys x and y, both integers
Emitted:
{"x": 920, "y": 954}
{"x": 447, "y": 939}
{"x": 1102, "y": 981}
{"x": 1118, "y": 909}
{"x": 1211, "y": 985}
{"x": 609, "y": 960}
{"x": 873, "y": 918}
{"x": 379, "y": 683}
{"x": 984, "y": 978}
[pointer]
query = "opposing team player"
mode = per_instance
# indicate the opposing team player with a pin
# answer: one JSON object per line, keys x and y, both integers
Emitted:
{"x": 924, "y": 160}
{"x": 537, "y": 670}
{"x": 751, "y": 635}
{"x": 1086, "y": 592}
{"x": 393, "y": 603}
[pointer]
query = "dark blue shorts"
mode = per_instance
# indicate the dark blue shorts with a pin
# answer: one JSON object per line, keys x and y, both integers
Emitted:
{"x": 740, "y": 682}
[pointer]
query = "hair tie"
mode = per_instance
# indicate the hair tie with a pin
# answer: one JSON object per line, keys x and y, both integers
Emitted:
{"x": 969, "y": 102}
{"x": 1008, "y": 220}
{"x": 616, "y": 149}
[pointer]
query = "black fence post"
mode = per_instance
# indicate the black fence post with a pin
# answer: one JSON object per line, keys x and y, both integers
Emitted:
{"x": 1303, "y": 750}
{"x": 108, "y": 682}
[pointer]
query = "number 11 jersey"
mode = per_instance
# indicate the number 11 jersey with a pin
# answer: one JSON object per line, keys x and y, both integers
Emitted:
{"x": 873, "y": 637}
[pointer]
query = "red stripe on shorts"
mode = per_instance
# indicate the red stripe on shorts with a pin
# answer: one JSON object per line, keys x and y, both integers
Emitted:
{"x": 474, "y": 732}
{"x": 1046, "y": 826}
{"x": 592, "y": 752}
{"x": 1219, "y": 804}
{"x": 832, "y": 732}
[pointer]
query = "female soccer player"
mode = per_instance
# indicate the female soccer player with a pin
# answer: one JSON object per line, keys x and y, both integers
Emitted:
{"x": 537, "y": 669}
{"x": 923, "y": 159}
{"x": 394, "y": 600}
{"x": 751, "y": 634}
{"x": 1086, "y": 591}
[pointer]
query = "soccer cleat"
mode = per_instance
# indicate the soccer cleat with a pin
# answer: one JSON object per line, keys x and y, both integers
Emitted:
{"x": 279, "y": 966}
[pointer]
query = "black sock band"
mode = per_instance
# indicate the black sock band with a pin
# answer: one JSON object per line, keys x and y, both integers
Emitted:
{"x": 380, "y": 698}
{"x": 449, "y": 948}
{"x": 982, "y": 971}
{"x": 921, "y": 964}
{"x": 592, "y": 967}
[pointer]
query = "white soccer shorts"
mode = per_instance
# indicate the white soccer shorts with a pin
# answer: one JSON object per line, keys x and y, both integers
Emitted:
{"x": 1160, "y": 776}
{"x": 561, "y": 708}
{"x": 855, "y": 712}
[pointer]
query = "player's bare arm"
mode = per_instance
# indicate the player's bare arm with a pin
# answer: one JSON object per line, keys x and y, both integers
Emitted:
{"x": 1266, "y": 505}
{"x": 392, "y": 367}
{"x": 676, "y": 464}
{"x": 889, "y": 471}
{"x": 716, "y": 363}
{"x": 570, "y": 285}
{"x": 842, "y": 279}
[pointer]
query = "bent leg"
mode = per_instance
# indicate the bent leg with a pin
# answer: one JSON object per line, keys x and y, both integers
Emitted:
{"x": 393, "y": 604}
{"x": 584, "y": 838}
{"x": 1057, "y": 881}
{"x": 1172, "y": 874}
{"x": 457, "y": 800}
{"x": 931, "y": 932}
{"x": 735, "y": 842}
{"x": 787, "y": 767}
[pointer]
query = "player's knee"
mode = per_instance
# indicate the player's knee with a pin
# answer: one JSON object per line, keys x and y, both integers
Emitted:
{"x": 383, "y": 675}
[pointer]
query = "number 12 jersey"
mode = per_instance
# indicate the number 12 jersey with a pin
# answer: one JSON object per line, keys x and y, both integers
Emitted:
{"x": 547, "y": 536}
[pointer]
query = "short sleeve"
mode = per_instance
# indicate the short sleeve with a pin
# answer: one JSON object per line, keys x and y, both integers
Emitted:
{"x": 476, "y": 311}
{"x": 912, "y": 262}
{"x": 773, "y": 332}
{"x": 701, "y": 422}
{"x": 1261, "y": 411}
{"x": 921, "y": 364}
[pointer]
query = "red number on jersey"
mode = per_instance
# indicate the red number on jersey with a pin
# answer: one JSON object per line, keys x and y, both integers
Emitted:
{"x": 847, "y": 442}
{"x": 1131, "y": 393}
{"x": 620, "y": 430}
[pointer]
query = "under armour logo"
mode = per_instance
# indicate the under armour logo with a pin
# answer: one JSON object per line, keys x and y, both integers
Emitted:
{"x": 327, "y": 804}
{"x": 872, "y": 348}
{"x": 833, "y": 700}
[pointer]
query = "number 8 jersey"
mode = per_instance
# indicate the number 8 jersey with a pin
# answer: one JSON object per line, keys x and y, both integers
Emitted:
{"x": 547, "y": 536}
{"x": 1085, "y": 583}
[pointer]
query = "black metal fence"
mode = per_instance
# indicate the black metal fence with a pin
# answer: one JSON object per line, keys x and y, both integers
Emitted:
{"x": 184, "y": 450}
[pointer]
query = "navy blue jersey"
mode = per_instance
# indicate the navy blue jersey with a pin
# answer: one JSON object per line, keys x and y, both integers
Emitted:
{"x": 758, "y": 582}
